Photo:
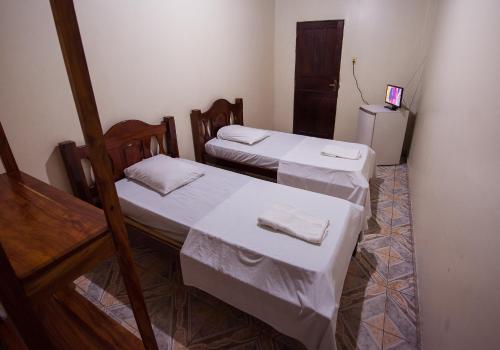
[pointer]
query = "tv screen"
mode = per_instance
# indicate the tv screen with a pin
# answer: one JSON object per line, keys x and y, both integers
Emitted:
{"x": 394, "y": 95}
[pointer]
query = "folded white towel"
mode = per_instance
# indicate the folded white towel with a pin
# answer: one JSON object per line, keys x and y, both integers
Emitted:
{"x": 295, "y": 223}
{"x": 341, "y": 152}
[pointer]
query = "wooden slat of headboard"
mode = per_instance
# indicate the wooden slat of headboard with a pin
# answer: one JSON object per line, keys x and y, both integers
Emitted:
{"x": 127, "y": 143}
{"x": 205, "y": 125}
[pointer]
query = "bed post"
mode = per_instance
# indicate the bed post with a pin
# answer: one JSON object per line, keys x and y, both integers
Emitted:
{"x": 6, "y": 154}
{"x": 171, "y": 137}
{"x": 72, "y": 163}
{"x": 238, "y": 114}
{"x": 70, "y": 40}
{"x": 198, "y": 135}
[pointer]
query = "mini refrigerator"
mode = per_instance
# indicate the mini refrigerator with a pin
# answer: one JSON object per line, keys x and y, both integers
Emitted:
{"x": 383, "y": 130}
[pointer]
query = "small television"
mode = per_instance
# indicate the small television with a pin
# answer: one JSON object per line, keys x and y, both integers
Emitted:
{"x": 393, "y": 96}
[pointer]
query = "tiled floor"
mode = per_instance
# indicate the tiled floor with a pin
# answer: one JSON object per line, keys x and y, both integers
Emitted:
{"x": 378, "y": 308}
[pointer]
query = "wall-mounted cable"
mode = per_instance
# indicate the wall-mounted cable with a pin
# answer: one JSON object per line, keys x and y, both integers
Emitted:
{"x": 356, "y": 80}
{"x": 406, "y": 86}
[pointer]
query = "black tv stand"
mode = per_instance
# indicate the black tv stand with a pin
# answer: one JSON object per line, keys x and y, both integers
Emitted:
{"x": 392, "y": 108}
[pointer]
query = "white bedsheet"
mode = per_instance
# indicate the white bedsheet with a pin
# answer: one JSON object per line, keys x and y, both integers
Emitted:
{"x": 299, "y": 163}
{"x": 175, "y": 213}
{"x": 264, "y": 154}
{"x": 304, "y": 167}
{"x": 293, "y": 285}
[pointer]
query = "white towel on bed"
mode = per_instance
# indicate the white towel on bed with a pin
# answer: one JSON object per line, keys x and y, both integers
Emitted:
{"x": 295, "y": 222}
{"x": 341, "y": 152}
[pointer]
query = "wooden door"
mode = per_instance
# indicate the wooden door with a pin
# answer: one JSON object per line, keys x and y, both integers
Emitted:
{"x": 317, "y": 68}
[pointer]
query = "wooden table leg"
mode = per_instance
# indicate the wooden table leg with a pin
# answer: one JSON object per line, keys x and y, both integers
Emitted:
{"x": 19, "y": 308}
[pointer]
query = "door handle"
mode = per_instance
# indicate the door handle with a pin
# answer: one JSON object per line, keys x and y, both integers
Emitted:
{"x": 333, "y": 85}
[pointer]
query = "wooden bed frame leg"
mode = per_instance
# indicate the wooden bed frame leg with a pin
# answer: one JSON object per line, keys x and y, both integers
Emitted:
{"x": 76, "y": 66}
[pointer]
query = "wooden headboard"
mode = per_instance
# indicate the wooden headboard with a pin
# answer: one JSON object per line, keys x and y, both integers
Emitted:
{"x": 127, "y": 143}
{"x": 205, "y": 125}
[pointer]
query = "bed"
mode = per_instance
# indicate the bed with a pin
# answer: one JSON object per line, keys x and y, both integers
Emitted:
{"x": 292, "y": 285}
{"x": 288, "y": 159}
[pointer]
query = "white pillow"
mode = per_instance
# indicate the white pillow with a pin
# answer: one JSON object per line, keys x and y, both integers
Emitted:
{"x": 163, "y": 173}
{"x": 243, "y": 134}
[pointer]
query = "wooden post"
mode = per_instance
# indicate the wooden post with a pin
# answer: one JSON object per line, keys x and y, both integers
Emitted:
{"x": 8, "y": 159}
{"x": 238, "y": 115}
{"x": 171, "y": 137}
{"x": 81, "y": 86}
{"x": 198, "y": 129}
{"x": 73, "y": 166}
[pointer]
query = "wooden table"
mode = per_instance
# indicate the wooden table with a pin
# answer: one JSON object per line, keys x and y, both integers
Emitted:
{"x": 50, "y": 238}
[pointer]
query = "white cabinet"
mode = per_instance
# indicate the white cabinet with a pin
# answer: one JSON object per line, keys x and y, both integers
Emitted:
{"x": 383, "y": 130}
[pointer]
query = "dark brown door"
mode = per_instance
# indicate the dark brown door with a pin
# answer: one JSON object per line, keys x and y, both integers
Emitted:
{"x": 317, "y": 67}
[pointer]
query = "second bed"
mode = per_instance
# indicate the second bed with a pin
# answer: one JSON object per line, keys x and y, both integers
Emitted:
{"x": 290, "y": 159}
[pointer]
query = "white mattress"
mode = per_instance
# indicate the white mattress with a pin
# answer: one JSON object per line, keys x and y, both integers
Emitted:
{"x": 175, "y": 213}
{"x": 293, "y": 285}
{"x": 264, "y": 154}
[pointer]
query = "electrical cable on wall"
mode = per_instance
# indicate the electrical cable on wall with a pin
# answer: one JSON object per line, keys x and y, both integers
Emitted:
{"x": 356, "y": 80}
{"x": 418, "y": 70}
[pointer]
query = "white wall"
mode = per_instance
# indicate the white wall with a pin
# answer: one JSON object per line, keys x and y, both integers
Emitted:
{"x": 385, "y": 35}
{"x": 455, "y": 187}
{"x": 147, "y": 59}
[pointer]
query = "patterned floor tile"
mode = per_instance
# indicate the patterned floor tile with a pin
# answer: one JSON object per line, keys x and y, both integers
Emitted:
{"x": 400, "y": 317}
{"x": 379, "y": 245}
{"x": 365, "y": 305}
{"x": 402, "y": 199}
{"x": 381, "y": 196}
{"x": 401, "y": 248}
{"x": 160, "y": 310}
{"x": 376, "y": 266}
{"x": 377, "y": 229}
{"x": 153, "y": 261}
{"x": 385, "y": 171}
{"x": 208, "y": 318}
{"x": 405, "y": 231}
{"x": 402, "y": 203}
{"x": 400, "y": 217}
{"x": 400, "y": 187}
{"x": 399, "y": 269}
{"x": 353, "y": 282}
{"x": 391, "y": 342}
{"x": 404, "y": 285}
{"x": 382, "y": 214}
{"x": 363, "y": 335}
{"x": 343, "y": 338}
